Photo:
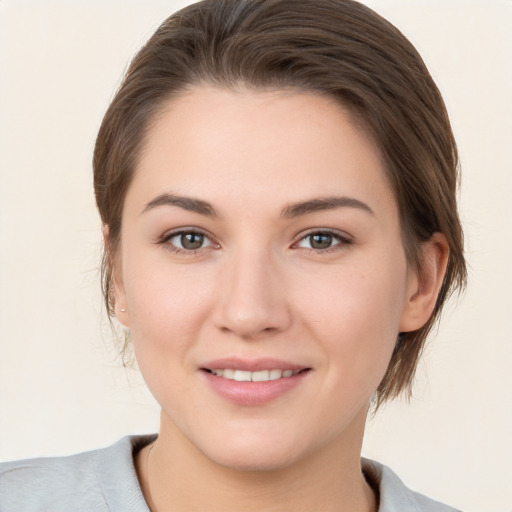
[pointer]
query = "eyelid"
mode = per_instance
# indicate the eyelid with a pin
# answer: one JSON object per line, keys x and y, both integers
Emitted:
{"x": 343, "y": 237}
{"x": 168, "y": 235}
{"x": 182, "y": 230}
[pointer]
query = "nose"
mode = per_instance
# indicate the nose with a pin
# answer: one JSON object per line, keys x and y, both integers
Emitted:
{"x": 253, "y": 300}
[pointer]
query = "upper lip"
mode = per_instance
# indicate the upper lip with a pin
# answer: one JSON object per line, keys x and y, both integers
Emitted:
{"x": 252, "y": 365}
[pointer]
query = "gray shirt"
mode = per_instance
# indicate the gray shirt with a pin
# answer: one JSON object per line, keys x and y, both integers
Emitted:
{"x": 105, "y": 481}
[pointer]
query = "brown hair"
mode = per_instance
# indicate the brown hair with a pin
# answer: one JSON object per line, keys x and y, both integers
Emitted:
{"x": 338, "y": 48}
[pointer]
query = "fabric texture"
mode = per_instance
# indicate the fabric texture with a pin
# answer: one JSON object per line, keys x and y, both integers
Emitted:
{"x": 105, "y": 481}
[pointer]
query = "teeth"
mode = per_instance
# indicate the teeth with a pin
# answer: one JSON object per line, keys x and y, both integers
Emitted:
{"x": 275, "y": 374}
{"x": 242, "y": 376}
{"x": 259, "y": 376}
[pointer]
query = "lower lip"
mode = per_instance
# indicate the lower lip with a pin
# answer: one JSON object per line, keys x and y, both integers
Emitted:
{"x": 253, "y": 393}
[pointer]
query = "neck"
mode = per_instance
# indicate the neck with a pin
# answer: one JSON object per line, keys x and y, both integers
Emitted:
{"x": 174, "y": 475}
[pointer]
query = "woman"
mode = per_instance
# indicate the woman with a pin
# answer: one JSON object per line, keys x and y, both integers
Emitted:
{"x": 276, "y": 181}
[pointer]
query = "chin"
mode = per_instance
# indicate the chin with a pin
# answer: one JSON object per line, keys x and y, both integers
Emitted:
{"x": 255, "y": 453}
{"x": 254, "y": 460}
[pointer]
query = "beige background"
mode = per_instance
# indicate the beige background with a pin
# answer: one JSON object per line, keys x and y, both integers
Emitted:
{"x": 62, "y": 389}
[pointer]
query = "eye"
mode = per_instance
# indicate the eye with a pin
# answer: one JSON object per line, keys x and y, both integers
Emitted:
{"x": 323, "y": 241}
{"x": 185, "y": 241}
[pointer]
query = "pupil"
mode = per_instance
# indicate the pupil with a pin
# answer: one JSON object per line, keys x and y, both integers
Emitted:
{"x": 321, "y": 241}
{"x": 192, "y": 240}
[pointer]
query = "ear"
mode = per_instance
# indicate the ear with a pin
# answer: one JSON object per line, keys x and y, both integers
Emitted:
{"x": 116, "y": 280}
{"x": 423, "y": 285}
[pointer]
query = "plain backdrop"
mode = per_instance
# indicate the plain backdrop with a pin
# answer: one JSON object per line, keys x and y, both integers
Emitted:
{"x": 62, "y": 388}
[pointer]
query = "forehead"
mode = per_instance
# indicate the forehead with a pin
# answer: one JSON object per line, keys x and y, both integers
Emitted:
{"x": 258, "y": 146}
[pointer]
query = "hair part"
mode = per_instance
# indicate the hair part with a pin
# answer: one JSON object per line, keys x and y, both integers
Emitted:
{"x": 337, "y": 48}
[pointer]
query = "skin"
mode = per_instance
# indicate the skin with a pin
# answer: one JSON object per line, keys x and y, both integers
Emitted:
{"x": 256, "y": 288}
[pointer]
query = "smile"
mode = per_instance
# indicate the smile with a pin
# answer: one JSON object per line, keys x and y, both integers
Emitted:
{"x": 258, "y": 376}
{"x": 253, "y": 382}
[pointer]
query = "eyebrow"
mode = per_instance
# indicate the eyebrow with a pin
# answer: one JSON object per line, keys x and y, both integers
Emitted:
{"x": 323, "y": 203}
{"x": 187, "y": 203}
{"x": 290, "y": 211}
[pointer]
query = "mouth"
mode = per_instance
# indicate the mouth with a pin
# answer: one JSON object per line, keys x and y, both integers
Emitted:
{"x": 254, "y": 376}
{"x": 253, "y": 382}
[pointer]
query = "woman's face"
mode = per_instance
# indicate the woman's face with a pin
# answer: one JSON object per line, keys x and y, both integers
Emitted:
{"x": 263, "y": 274}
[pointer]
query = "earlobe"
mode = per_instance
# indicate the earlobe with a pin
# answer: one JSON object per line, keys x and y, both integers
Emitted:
{"x": 120, "y": 308}
{"x": 118, "y": 296}
{"x": 424, "y": 285}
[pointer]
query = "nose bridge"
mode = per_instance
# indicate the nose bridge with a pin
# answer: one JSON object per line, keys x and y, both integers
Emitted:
{"x": 252, "y": 298}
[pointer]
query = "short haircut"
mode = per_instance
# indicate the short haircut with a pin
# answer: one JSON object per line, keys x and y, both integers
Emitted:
{"x": 337, "y": 48}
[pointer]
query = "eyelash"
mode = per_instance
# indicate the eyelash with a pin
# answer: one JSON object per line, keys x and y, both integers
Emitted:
{"x": 165, "y": 241}
{"x": 343, "y": 241}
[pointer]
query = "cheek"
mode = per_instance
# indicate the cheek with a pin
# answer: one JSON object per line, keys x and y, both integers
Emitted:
{"x": 355, "y": 314}
{"x": 167, "y": 306}
{"x": 167, "y": 312}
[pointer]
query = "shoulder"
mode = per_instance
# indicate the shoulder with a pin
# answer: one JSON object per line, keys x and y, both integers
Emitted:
{"x": 99, "y": 480}
{"x": 395, "y": 496}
